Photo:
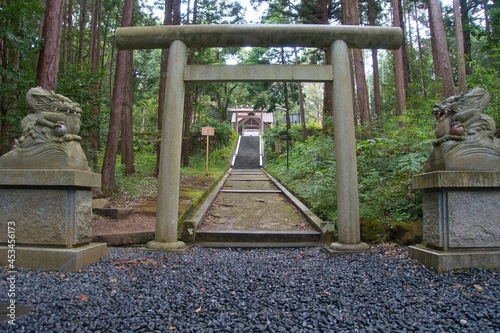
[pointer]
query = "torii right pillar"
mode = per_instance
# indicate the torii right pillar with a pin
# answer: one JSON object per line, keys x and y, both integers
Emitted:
{"x": 349, "y": 235}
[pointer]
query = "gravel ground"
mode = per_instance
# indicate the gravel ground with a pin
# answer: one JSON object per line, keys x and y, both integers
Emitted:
{"x": 257, "y": 290}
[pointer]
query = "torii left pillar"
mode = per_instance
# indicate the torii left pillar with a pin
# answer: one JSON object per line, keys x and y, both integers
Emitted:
{"x": 170, "y": 153}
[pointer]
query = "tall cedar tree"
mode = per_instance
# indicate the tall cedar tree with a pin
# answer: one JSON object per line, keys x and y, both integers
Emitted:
{"x": 189, "y": 101}
{"x": 81, "y": 35}
{"x": 461, "y": 75}
{"x": 420, "y": 53}
{"x": 94, "y": 61}
{"x": 466, "y": 21}
{"x": 48, "y": 62}
{"x": 67, "y": 48}
{"x": 440, "y": 54}
{"x": 109, "y": 163}
{"x": 372, "y": 15}
{"x": 172, "y": 17}
{"x": 127, "y": 118}
{"x": 351, "y": 17}
{"x": 301, "y": 102}
{"x": 399, "y": 67}
{"x": 328, "y": 86}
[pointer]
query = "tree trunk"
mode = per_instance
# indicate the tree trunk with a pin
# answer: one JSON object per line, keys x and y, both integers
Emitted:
{"x": 109, "y": 163}
{"x": 362, "y": 89}
{"x": 189, "y": 100}
{"x": 67, "y": 37}
{"x": 327, "y": 100}
{"x": 48, "y": 61}
{"x": 376, "y": 81}
{"x": 95, "y": 35}
{"x": 464, "y": 9}
{"x": 127, "y": 119}
{"x": 69, "y": 19}
{"x": 169, "y": 19}
{"x": 406, "y": 66}
{"x": 328, "y": 86}
{"x": 94, "y": 61}
{"x": 436, "y": 64}
{"x": 83, "y": 24}
{"x": 285, "y": 96}
{"x": 420, "y": 55}
{"x": 442, "y": 48}
{"x": 301, "y": 103}
{"x": 351, "y": 17}
{"x": 188, "y": 117}
{"x": 399, "y": 71}
{"x": 462, "y": 84}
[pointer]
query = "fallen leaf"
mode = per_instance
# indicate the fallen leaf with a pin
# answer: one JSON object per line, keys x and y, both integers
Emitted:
{"x": 478, "y": 287}
{"x": 83, "y": 298}
{"x": 198, "y": 310}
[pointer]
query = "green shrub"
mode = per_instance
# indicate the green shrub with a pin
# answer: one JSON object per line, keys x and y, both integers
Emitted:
{"x": 386, "y": 164}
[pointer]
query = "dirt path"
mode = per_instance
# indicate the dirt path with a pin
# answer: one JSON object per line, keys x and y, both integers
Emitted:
{"x": 143, "y": 217}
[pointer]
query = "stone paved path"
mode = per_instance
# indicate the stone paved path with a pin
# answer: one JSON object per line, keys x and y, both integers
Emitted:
{"x": 249, "y": 204}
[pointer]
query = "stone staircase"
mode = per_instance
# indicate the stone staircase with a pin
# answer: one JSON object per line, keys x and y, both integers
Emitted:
{"x": 251, "y": 209}
{"x": 248, "y": 153}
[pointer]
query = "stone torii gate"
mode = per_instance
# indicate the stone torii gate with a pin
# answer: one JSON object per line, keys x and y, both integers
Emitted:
{"x": 179, "y": 38}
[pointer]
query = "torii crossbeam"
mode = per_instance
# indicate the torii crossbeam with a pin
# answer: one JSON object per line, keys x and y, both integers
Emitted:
{"x": 337, "y": 38}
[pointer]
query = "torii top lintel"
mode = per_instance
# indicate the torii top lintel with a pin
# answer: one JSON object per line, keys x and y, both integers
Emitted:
{"x": 258, "y": 35}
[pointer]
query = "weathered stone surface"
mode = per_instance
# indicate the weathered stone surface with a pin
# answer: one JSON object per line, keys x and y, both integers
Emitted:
{"x": 259, "y": 35}
{"x": 49, "y": 177}
{"x": 114, "y": 213}
{"x": 100, "y": 203}
{"x": 77, "y": 161}
{"x": 55, "y": 259}
{"x": 473, "y": 219}
{"x": 461, "y": 219}
{"x": 456, "y": 179}
{"x": 465, "y": 138}
{"x": 443, "y": 261}
{"x": 461, "y": 227}
{"x": 433, "y": 224}
{"x": 57, "y": 217}
{"x": 49, "y": 135}
{"x": 49, "y": 207}
{"x": 261, "y": 73}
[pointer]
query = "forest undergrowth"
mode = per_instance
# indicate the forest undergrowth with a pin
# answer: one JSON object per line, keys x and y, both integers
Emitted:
{"x": 388, "y": 155}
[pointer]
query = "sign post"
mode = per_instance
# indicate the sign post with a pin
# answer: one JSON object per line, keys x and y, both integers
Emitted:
{"x": 208, "y": 131}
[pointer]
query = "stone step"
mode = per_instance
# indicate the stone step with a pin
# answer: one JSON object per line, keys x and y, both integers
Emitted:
{"x": 246, "y": 163}
{"x": 260, "y": 236}
{"x": 114, "y": 213}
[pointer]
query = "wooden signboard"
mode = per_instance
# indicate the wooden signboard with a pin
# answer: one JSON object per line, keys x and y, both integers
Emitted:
{"x": 208, "y": 132}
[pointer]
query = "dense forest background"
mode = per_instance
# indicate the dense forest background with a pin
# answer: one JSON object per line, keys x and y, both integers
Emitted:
{"x": 67, "y": 46}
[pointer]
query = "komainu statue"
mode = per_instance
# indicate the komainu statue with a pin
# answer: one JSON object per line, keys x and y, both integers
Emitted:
{"x": 465, "y": 139}
{"x": 49, "y": 137}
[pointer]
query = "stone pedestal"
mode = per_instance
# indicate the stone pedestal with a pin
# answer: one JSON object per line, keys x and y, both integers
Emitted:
{"x": 461, "y": 220}
{"x": 49, "y": 212}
